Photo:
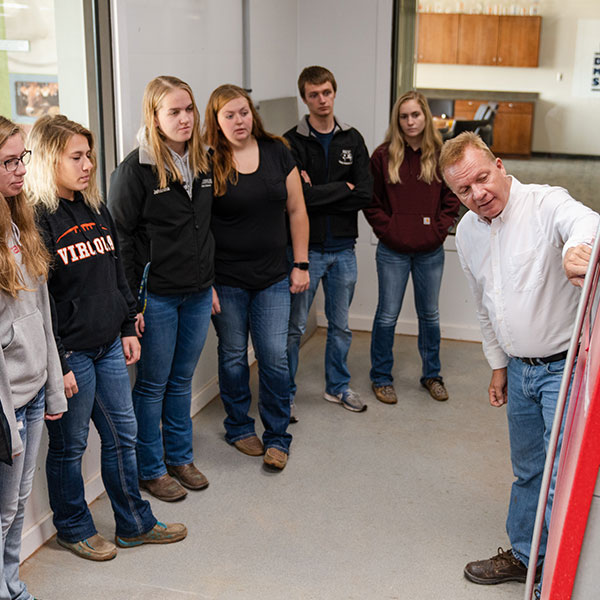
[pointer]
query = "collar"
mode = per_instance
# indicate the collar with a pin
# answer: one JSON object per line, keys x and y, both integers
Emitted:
{"x": 145, "y": 154}
{"x": 303, "y": 128}
{"x": 146, "y": 157}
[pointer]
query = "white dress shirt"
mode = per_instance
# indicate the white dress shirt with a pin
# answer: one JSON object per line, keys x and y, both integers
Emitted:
{"x": 525, "y": 304}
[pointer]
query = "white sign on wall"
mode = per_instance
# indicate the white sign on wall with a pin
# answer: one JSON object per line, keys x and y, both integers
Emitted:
{"x": 586, "y": 71}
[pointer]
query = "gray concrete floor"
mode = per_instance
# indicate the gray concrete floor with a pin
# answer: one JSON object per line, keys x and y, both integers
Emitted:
{"x": 386, "y": 504}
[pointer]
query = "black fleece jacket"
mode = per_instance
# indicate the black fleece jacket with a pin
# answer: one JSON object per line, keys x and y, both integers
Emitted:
{"x": 89, "y": 295}
{"x": 162, "y": 226}
{"x": 328, "y": 195}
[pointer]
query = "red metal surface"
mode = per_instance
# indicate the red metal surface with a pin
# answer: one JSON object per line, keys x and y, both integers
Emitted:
{"x": 578, "y": 468}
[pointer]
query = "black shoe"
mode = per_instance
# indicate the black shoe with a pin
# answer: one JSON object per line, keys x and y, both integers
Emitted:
{"x": 499, "y": 569}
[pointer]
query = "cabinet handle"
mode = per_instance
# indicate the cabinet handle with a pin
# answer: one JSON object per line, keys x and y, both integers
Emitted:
{"x": 510, "y": 105}
{"x": 499, "y": 59}
{"x": 493, "y": 59}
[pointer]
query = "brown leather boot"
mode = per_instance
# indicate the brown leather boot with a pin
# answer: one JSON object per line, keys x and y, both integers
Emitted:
{"x": 275, "y": 458}
{"x": 505, "y": 566}
{"x": 164, "y": 488}
{"x": 188, "y": 476}
{"x": 436, "y": 388}
{"x": 385, "y": 393}
{"x": 251, "y": 446}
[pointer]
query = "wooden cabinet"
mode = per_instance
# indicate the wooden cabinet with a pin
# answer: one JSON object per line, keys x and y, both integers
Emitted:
{"x": 437, "y": 38}
{"x": 512, "y": 126}
{"x": 507, "y": 41}
{"x": 519, "y": 41}
{"x": 478, "y": 40}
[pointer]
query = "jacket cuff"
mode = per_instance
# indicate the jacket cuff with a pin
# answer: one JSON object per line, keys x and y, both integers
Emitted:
{"x": 64, "y": 365}
{"x": 128, "y": 329}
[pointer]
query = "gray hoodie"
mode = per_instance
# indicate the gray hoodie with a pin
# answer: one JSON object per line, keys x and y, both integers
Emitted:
{"x": 28, "y": 355}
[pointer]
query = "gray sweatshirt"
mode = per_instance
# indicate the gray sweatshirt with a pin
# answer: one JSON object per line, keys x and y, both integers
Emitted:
{"x": 28, "y": 355}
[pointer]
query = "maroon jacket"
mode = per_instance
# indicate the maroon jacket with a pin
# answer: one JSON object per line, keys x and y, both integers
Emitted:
{"x": 411, "y": 216}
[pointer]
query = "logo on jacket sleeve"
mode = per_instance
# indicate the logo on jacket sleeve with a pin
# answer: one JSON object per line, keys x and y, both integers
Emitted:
{"x": 206, "y": 182}
{"x": 345, "y": 157}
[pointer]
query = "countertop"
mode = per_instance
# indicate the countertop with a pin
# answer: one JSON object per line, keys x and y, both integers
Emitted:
{"x": 486, "y": 95}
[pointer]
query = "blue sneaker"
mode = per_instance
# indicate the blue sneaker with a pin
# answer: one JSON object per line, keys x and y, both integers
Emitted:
{"x": 349, "y": 399}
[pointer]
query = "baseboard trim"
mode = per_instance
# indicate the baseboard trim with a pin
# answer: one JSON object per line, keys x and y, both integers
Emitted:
{"x": 409, "y": 327}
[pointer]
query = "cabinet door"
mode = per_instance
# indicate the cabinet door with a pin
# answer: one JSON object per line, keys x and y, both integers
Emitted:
{"x": 513, "y": 127}
{"x": 437, "y": 38}
{"x": 477, "y": 39}
{"x": 464, "y": 110}
{"x": 519, "y": 41}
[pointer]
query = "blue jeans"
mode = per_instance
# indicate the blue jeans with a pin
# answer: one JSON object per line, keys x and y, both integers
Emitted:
{"x": 337, "y": 271}
{"x": 532, "y": 396}
{"x": 264, "y": 314}
{"x": 176, "y": 328}
{"x": 393, "y": 269}
{"x": 15, "y": 486}
{"x": 104, "y": 396}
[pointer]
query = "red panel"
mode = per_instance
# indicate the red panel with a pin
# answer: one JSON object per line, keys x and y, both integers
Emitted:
{"x": 578, "y": 469}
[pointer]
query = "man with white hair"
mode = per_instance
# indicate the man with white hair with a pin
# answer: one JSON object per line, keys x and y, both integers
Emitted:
{"x": 515, "y": 245}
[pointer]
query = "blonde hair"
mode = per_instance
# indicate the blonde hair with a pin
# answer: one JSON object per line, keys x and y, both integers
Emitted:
{"x": 165, "y": 166}
{"x": 48, "y": 140}
{"x": 454, "y": 149}
{"x": 223, "y": 166}
{"x": 17, "y": 210}
{"x": 430, "y": 145}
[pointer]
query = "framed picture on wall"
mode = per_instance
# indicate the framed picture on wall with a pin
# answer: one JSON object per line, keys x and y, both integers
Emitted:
{"x": 33, "y": 96}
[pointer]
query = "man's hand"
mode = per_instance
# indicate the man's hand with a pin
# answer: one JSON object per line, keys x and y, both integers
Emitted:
{"x": 70, "y": 384}
{"x": 131, "y": 349}
{"x": 576, "y": 263}
{"x": 140, "y": 324}
{"x": 305, "y": 177}
{"x": 497, "y": 389}
{"x": 350, "y": 185}
{"x": 216, "y": 305}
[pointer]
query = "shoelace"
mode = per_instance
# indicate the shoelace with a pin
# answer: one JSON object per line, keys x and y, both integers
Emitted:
{"x": 505, "y": 555}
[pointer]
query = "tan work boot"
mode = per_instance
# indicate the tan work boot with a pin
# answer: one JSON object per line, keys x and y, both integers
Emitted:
{"x": 437, "y": 389}
{"x": 251, "y": 446}
{"x": 164, "y": 488}
{"x": 275, "y": 458}
{"x": 189, "y": 476}
{"x": 385, "y": 393}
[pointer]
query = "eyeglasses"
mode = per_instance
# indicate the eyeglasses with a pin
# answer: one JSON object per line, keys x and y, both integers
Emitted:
{"x": 12, "y": 164}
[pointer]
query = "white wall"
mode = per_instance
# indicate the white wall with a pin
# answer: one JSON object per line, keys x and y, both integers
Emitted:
{"x": 563, "y": 122}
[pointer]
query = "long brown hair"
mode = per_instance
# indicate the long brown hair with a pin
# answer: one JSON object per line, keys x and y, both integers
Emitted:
{"x": 154, "y": 94}
{"x": 430, "y": 145}
{"x": 223, "y": 166}
{"x": 48, "y": 139}
{"x": 17, "y": 210}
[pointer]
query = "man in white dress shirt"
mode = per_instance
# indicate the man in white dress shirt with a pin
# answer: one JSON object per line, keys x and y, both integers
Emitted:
{"x": 519, "y": 246}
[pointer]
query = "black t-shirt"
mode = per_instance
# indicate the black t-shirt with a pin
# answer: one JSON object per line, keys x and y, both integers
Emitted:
{"x": 249, "y": 222}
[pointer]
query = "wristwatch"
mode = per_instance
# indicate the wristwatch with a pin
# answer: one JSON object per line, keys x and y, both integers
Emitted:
{"x": 303, "y": 266}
